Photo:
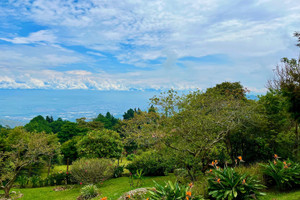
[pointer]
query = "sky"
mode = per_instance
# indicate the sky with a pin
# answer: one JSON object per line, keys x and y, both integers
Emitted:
{"x": 142, "y": 44}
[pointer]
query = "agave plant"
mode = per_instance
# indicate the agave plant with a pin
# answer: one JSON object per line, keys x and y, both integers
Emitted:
{"x": 228, "y": 184}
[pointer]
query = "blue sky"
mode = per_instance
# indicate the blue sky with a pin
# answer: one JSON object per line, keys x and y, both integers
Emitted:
{"x": 139, "y": 44}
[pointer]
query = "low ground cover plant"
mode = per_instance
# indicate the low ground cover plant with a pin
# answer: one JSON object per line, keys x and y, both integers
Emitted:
{"x": 88, "y": 192}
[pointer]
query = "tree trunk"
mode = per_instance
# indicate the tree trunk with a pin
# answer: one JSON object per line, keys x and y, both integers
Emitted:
{"x": 297, "y": 140}
{"x": 6, "y": 191}
{"x": 229, "y": 148}
{"x": 49, "y": 166}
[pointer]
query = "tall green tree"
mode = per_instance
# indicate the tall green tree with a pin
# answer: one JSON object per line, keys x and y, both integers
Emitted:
{"x": 38, "y": 124}
{"x": 101, "y": 143}
{"x": 198, "y": 123}
{"x": 22, "y": 149}
{"x": 287, "y": 81}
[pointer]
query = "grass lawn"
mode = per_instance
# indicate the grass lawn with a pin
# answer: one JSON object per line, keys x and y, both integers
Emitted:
{"x": 112, "y": 188}
{"x": 294, "y": 195}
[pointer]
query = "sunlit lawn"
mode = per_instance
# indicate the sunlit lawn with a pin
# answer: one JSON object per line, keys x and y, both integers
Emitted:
{"x": 112, "y": 188}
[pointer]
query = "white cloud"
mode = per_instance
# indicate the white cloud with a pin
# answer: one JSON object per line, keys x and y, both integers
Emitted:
{"x": 42, "y": 36}
{"x": 254, "y": 35}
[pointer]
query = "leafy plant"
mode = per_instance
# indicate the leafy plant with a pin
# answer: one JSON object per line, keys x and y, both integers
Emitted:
{"x": 130, "y": 157}
{"x": 22, "y": 180}
{"x": 172, "y": 191}
{"x": 152, "y": 163}
{"x": 59, "y": 177}
{"x": 228, "y": 184}
{"x": 118, "y": 171}
{"x": 285, "y": 174}
{"x": 88, "y": 171}
{"x": 89, "y": 191}
{"x": 35, "y": 180}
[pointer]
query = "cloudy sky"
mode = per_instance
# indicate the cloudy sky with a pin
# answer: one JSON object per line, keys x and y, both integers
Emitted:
{"x": 142, "y": 44}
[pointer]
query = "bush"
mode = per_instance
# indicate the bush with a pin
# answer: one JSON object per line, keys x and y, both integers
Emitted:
{"x": 228, "y": 184}
{"x": 152, "y": 164}
{"x": 118, "y": 171}
{"x": 23, "y": 180}
{"x": 130, "y": 157}
{"x": 89, "y": 191}
{"x": 173, "y": 191}
{"x": 91, "y": 171}
{"x": 35, "y": 180}
{"x": 285, "y": 174}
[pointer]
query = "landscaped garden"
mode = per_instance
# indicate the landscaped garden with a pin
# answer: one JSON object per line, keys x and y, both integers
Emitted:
{"x": 216, "y": 144}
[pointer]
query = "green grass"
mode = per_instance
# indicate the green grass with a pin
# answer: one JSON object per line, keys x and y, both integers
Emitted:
{"x": 112, "y": 188}
{"x": 294, "y": 195}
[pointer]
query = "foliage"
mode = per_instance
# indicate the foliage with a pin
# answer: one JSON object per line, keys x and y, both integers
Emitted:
{"x": 234, "y": 89}
{"x": 22, "y": 149}
{"x": 285, "y": 174}
{"x": 98, "y": 144}
{"x": 22, "y": 180}
{"x": 69, "y": 150}
{"x": 228, "y": 184}
{"x": 69, "y": 130}
{"x": 199, "y": 122}
{"x": 118, "y": 171}
{"x": 109, "y": 121}
{"x": 172, "y": 191}
{"x": 141, "y": 131}
{"x": 152, "y": 163}
{"x": 89, "y": 191}
{"x": 130, "y": 157}
{"x": 35, "y": 180}
{"x": 38, "y": 124}
{"x": 88, "y": 171}
{"x": 138, "y": 176}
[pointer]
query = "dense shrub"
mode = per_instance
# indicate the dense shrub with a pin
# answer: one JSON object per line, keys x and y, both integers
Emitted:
{"x": 89, "y": 191}
{"x": 173, "y": 191}
{"x": 35, "y": 181}
{"x": 88, "y": 171}
{"x": 228, "y": 184}
{"x": 118, "y": 170}
{"x": 130, "y": 157}
{"x": 152, "y": 163}
{"x": 22, "y": 180}
{"x": 284, "y": 174}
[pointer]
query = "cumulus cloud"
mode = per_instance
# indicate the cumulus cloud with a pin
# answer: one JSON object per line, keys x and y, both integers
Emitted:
{"x": 149, "y": 36}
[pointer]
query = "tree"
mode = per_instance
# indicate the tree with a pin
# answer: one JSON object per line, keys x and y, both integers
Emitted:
{"x": 141, "y": 131}
{"x": 69, "y": 130}
{"x": 129, "y": 114}
{"x": 100, "y": 143}
{"x": 234, "y": 89}
{"x": 22, "y": 149}
{"x": 38, "y": 124}
{"x": 297, "y": 34}
{"x": 201, "y": 122}
{"x": 287, "y": 81}
{"x": 108, "y": 120}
